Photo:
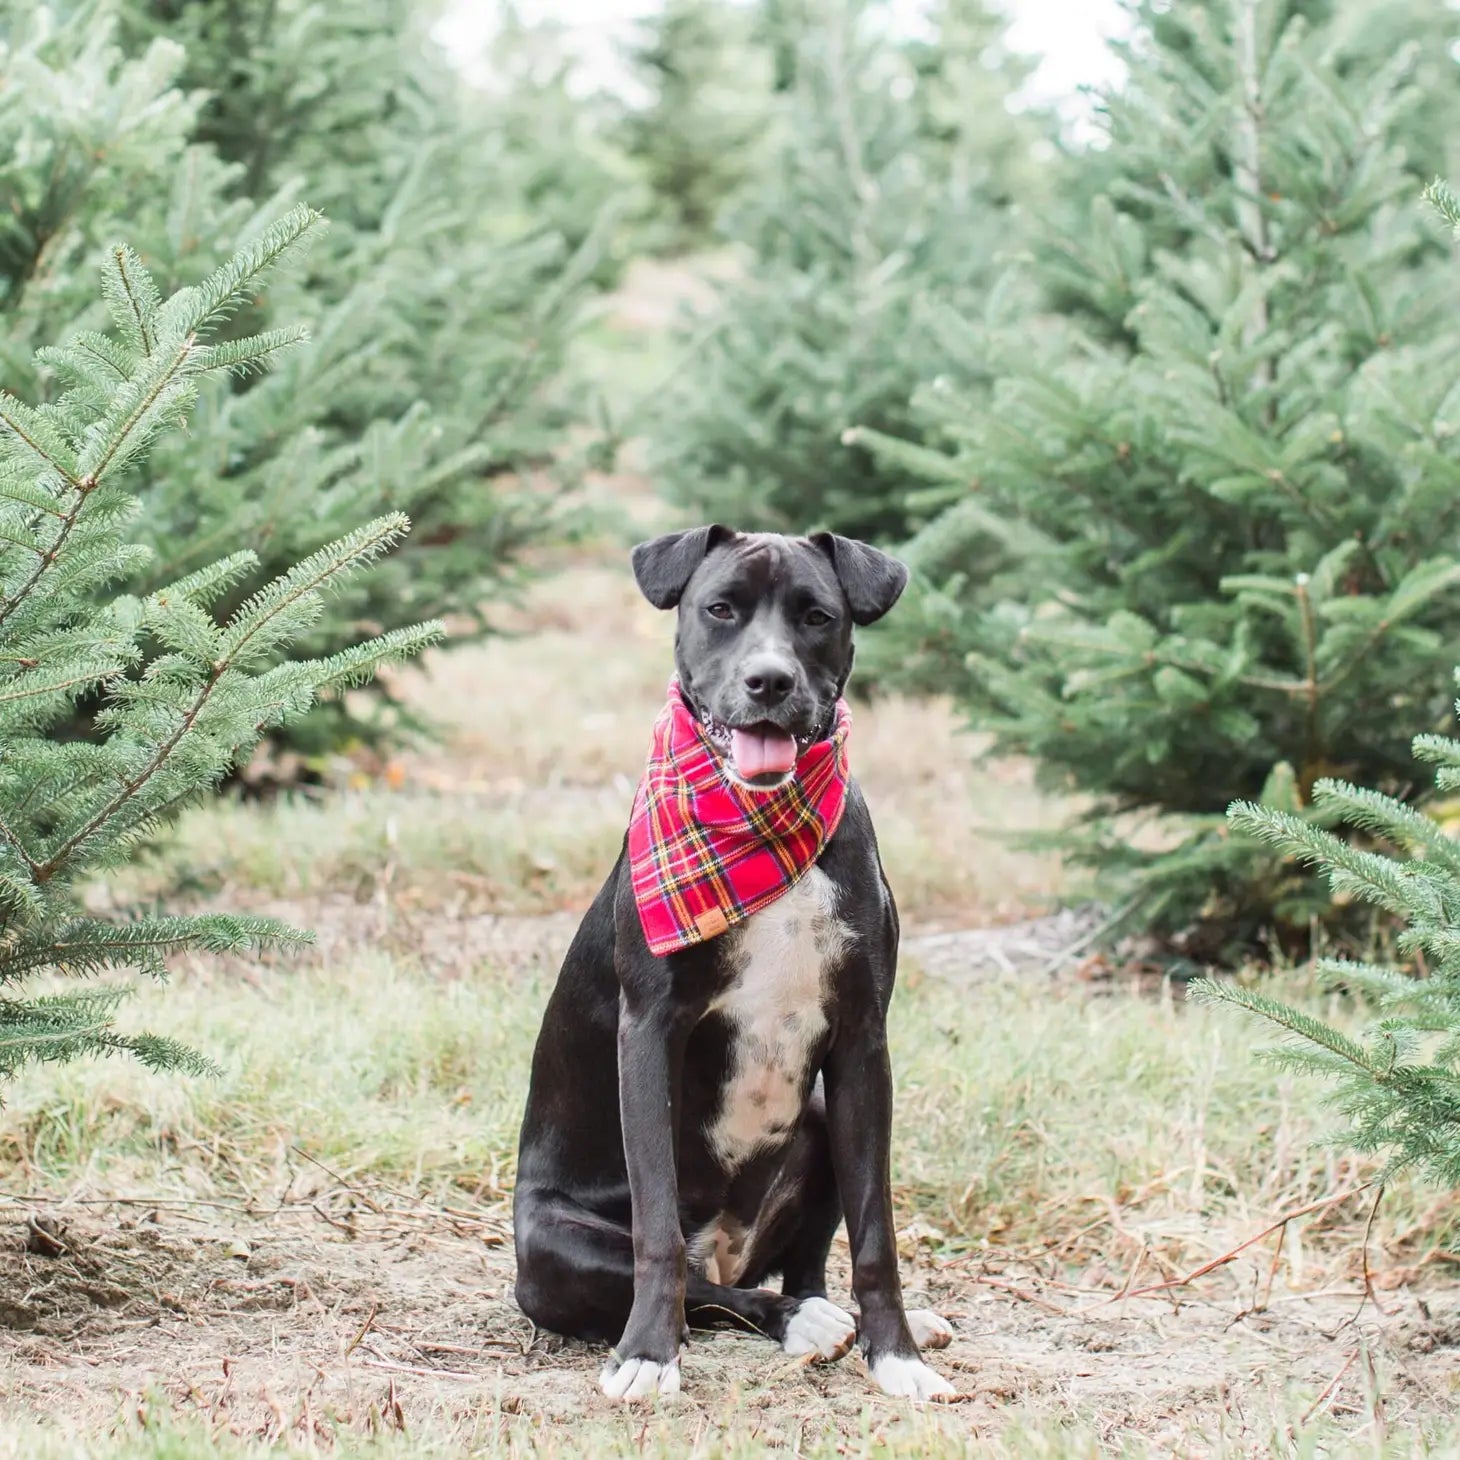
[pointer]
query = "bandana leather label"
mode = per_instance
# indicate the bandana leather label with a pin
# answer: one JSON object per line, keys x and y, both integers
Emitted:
{"x": 706, "y": 853}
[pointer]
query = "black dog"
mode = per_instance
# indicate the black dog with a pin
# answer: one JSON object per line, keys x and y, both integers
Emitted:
{"x": 701, "y": 1121}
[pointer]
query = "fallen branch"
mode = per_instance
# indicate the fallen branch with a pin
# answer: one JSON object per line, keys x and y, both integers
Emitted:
{"x": 1024, "y": 1293}
{"x": 1329, "y": 1389}
{"x": 1316, "y": 1206}
{"x": 421, "y": 1373}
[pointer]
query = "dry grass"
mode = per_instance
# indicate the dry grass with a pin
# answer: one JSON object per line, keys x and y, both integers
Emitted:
{"x": 523, "y": 809}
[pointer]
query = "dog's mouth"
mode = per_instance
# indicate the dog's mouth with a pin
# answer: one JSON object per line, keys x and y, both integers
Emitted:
{"x": 762, "y": 755}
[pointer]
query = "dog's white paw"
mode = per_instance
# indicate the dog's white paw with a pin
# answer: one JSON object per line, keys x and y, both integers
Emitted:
{"x": 819, "y": 1328}
{"x": 929, "y": 1329}
{"x": 909, "y": 1379}
{"x": 640, "y": 1379}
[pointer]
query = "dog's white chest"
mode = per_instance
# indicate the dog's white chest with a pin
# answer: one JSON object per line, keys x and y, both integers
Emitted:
{"x": 775, "y": 1011}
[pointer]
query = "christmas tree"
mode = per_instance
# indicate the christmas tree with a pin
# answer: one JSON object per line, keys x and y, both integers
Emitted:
{"x": 185, "y": 690}
{"x": 876, "y": 217}
{"x": 1201, "y": 543}
{"x": 441, "y": 323}
{"x": 1399, "y": 1083}
{"x": 708, "y": 108}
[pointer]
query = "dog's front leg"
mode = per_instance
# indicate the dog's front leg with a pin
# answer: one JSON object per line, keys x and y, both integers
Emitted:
{"x": 651, "y": 1042}
{"x": 858, "y": 1080}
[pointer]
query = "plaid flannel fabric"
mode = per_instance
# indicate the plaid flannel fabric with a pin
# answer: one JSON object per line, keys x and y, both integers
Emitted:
{"x": 705, "y": 853}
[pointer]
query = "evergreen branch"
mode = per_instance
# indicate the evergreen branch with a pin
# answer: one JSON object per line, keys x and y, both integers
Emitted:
{"x": 24, "y": 496}
{"x": 18, "y": 846}
{"x": 84, "y": 485}
{"x": 138, "y": 413}
{"x": 1386, "y": 984}
{"x": 130, "y": 786}
{"x": 308, "y": 577}
{"x": 1303, "y": 1026}
{"x": 1373, "y": 811}
{"x": 313, "y": 574}
{"x": 226, "y": 284}
{"x": 130, "y": 294}
{"x": 28, "y": 1038}
{"x": 1443, "y": 200}
{"x": 355, "y": 665}
{"x": 83, "y": 490}
{"x": 22, "y": 423}
{"x": 88, "y": 946}
{"x": 1436, "y": 749}
{"x": 101, "y": 350}
{"x": 28, "y": 690}
{"x": 1403, "y": 604}
{"x": 203, "y": 584}
{"x": 238, "y": 355}
{"x": 1381, "y": 878}
{"x": 50, "y": 554}
{"x": 17, "y": 537}
{"x": 161, "y": 1054}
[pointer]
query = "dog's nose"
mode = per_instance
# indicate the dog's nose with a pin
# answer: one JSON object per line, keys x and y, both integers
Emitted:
{"x": 769, "y": 681}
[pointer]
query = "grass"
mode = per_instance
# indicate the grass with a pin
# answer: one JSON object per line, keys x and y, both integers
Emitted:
{"x": 1023, "y": 1111}
{"x": 1049, "y": 1139}
{"x": 156, "y": 1435}
{"x": 523, "y": 851}
{"x": 367, "y": 1064}
{"x": 1054, "y": 1147}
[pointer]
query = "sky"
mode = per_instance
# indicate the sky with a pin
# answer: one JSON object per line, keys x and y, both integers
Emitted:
{"x": 1070, "y": 35}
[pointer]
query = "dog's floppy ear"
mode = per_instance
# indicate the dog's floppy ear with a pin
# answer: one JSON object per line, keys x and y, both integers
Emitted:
{"x": 664, "y": 565}
{"x": 871, "y": 579}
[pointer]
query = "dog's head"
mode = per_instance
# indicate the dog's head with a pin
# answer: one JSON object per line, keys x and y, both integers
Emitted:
{"x": 764, "y": 643}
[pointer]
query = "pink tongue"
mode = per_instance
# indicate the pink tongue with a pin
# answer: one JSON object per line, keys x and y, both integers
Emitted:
{"x": 762, "y": 752}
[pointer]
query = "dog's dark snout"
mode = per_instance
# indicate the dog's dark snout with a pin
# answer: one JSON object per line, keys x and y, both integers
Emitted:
{"x": 769, "y": 680}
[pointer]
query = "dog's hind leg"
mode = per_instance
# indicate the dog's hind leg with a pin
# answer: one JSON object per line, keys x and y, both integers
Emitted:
{"x": 803, "y": 1211}
{"x": 575, "y": 1276}
{"x": 575, "y": 1269}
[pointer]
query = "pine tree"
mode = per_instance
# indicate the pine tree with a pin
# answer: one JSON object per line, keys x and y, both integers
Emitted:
{"x": 874, "y": 219}
{"x": 1201, "y": 542}
{"x": 555, "y": 141}
{"x": 1399, "y": 1083}
{"x": 699, "y": 133}
{"x": 442, "y": 310}
{"x": 185, "y": 691}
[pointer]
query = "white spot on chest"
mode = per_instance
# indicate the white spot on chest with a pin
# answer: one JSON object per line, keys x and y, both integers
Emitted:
{"x": 774, "y": 1007}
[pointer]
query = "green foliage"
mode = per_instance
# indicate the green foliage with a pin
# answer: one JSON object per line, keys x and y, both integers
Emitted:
{"x": 555, "y": 146}
{"x": 1399, "y": 1086}
{"x": 185, "y": 690}
{"x": 440, "y": 304}
{"x": 1442, "y": 199}
{"x": 1201, "y": 542}
{"x": 1398, "y": 1083}
{"x": 698, "y": 135}
{"x": 880, "y": 210}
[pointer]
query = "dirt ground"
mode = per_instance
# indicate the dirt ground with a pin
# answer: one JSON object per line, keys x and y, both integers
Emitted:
{"x": 346, "y": 1306}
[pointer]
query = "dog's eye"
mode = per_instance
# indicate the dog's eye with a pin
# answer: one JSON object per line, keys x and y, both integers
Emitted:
{"x": 816, "y": 617}
{"x": 720, "y": 610}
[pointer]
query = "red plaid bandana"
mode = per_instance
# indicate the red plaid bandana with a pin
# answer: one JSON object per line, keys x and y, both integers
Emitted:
{"x": 706, "y": 853}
